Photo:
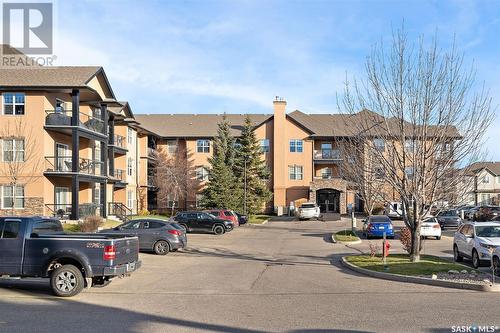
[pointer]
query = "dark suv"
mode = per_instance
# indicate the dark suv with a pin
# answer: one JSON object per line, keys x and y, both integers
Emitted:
{"x": 201, "y": 221}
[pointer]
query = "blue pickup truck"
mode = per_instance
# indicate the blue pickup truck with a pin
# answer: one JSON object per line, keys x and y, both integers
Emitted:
{"x": 38, "y": 247}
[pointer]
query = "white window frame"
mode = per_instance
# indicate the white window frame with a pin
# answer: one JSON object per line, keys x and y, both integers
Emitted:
{"x": 130, "y": 199}
{"x": 408, "y": 174}
{"x": 198, "y": 198}
{"x": 14, "y": 151}
{"x": 486, "y": 179}
{"x": 328, "y": 172}
{"x": 410, "y": 145}
{"x": 294, "y": 145}
{"x": 203, "y": 146}
{"x": 14, "y": 103}
{"x": 202, "y": 174}
{"x": 130, "y": 166}
{"x": 172, "y": 146}
{"x": 264, "y": 146}
{"x": 379, "y": 144}
{"x": 293, "y": 172}
{"x": 130, "y": 136}
{"x": 14, "y": 197}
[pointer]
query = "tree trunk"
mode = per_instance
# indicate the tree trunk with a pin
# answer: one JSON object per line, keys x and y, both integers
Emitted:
{"x": 415, "y": 244}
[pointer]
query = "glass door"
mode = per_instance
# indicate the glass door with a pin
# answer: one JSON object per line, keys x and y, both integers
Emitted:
{"x": 62, "y": 201}
{"x": 63, "y": 157}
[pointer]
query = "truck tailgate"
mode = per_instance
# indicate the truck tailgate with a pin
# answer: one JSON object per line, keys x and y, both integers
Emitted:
{"x": 127, "y": 250}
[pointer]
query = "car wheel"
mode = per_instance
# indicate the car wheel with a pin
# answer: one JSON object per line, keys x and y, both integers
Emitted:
{"x": 67, "y": 281}
{"x": 456, "y": 254}
{"x": 161, "y": 247}
{"x": 219, "y": 230}
{"x": 496, "y": 265}
{"x": 438, "y": 237}
{"x": 475, "y": 259}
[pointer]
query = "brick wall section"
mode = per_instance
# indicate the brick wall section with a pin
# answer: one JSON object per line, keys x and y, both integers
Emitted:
{"x": 32, "y": 206}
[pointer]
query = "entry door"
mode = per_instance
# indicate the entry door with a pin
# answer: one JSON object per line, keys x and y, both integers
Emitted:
{"x": 11, "y": 246}
{"x": 62, "y": 200}
{"x": 63, "y": 157}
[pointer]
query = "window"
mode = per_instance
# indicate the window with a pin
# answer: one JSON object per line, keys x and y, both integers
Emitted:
{"x": 13, "y": 150}
{"x": 326, "y": 173}
{"x": 130, "y": 136}
{"x": 130, "y": 199}
{"x": 296, "y": 146}
{"x": 409, "y": 145}
{"x": 379, "y": 172}
{"x": 132, "y": 225}
{"x": 97, "y": 194}
{"x": 199, "y": 198}
{"x": 379, "y": 144}
{"x": 172, "y": 146}
{"x": 203, "y": 146}
{"x": 171, "y": 203}
{"x": 60, "y": 106}
{"x": 47, "y": 226}
{"x": 486, "y": 179}
{"x": 13, "y": 103}
{"x": 201, "y": 174}
{"x": 295, "y": 172}
{"x": 130, "y": 166}
{"x": 153, "y": 225}
{"x": 264, "y": 145}
{"x": 13, "y": 196}
{"x": 409, "y": 172}
{"x": 9, "y": 229}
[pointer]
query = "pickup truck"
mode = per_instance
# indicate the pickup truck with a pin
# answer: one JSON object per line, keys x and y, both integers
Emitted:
{"x": 38, "y": 247}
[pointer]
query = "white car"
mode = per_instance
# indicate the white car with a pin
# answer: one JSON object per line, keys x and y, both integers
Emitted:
{"x": 308, "y": 210}
{"x": 475, "y": 240}
{"x": 430, "y": 228}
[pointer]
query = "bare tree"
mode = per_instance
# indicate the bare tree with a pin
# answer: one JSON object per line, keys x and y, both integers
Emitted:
{"x": 21, "y": 158}
{"x": 431, "y": 121}
{"x": 173, "y": 176}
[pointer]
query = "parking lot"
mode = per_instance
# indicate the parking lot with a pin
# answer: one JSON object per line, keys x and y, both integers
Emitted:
{"x": 283, "y": 276}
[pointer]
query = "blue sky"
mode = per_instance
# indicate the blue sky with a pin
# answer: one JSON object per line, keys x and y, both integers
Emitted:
{"x": 235, "y": 56}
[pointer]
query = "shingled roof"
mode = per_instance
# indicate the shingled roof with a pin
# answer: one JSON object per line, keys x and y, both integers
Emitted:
{"x": 194, "y": 125}
{"x": 474, "y": 168}
{"x": 57, "y": 77}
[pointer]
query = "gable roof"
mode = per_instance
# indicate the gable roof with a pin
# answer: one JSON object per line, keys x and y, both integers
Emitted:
{"x": 57, "y": 77}
{"x": 195, "y": 125}
{"x": 475, "y": 168}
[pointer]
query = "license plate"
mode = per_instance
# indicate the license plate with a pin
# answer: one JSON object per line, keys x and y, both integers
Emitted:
{"x": 381, "y": 228}
{"x": 131, "y": 267}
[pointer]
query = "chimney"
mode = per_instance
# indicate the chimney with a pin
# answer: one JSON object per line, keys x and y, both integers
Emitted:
{"x": 280, "y": 168}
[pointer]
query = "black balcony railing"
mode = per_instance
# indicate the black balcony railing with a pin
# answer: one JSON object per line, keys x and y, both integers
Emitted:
{"x": 327, "y": 154}
{"x": 63, "y": 164}
{"x": 120, "y": 141}
{"x": 64, "y": 210}
{"x": 61, "y": 117}
{"x": 120, "y": 174}
{"x": 119, "y": 210}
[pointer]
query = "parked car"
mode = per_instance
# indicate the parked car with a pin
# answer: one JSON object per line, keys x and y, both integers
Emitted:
{"x": 376, "y": 225}
{"x": 475, "y": 240}
{"x": 242, "y": 219}
{"x": 155, "y": 235}
{"x": 469, "y": 214}
{"x": 448, "y": 219}
{"x": 394, "y": 210}
{"x": 224, "y": 214}
{"x": 308, "y": 210}
{"x": 486, "y": 213}
{"x": 38, "y": 247}
{"x": 430, "y": 228}
{"x": 201, "y": 221}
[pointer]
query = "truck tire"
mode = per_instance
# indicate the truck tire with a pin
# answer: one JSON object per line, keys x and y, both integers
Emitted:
{"x": 219, "y": 230}
{"x": 67, "y": 281}
{"x": 161, "y": 247}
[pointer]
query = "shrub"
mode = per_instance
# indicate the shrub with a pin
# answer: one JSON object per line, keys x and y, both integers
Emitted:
{"x": 374, "y": 248}
{"x": 143, "y": 212}
{"x": 91, "y": 223}
{"x": 405, "y": 239}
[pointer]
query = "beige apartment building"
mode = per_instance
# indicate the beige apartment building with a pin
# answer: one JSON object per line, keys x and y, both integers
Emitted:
{"x": 68, "y": 147}
{"x": 481, "y": 185}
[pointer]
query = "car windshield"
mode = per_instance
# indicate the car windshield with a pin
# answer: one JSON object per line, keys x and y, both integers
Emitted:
{"x": 380, "y": 219}
{"x": 488, "y": 231}
{"x": 307, "y": 206}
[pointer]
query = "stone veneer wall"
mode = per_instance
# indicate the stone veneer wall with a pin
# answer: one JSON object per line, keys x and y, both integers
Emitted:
{"x": 334, "y": 183}
{"x": 32, "y": 206}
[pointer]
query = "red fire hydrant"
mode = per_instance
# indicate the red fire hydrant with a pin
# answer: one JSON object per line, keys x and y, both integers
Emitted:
{"x": 387, "y": 246}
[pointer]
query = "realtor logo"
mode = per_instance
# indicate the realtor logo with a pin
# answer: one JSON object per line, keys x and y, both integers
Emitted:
{"x": 28, "y": 27}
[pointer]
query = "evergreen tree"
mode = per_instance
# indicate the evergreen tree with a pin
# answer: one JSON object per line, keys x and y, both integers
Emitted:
{"x": 222, "y": 190}
{"x": 249, "y": 164}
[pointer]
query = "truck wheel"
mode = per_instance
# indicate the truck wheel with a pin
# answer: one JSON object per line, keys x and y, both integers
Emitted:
{"x": 219, "y": 230}
{"x": 161, "y": 247}
{"x": 67, "y": 281}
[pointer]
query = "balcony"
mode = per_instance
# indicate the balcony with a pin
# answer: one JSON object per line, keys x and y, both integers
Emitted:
{"x": 61, "y": 120}
{"x": 327, "y": 177}
{"x": 120, "y": 144}
{"x": 63, "y": 211}
{"x": 327, "y": 155}
{"x": 62, "y": 165}
{"x": 119, "y": 178}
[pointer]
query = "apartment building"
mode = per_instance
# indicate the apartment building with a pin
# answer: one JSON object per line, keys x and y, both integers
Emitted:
{"x": 68, "y": 147}
{"x": 481, "y": 185}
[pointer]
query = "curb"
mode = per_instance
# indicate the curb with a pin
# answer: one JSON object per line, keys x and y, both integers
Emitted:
{"x": 420, "y": 280}
{"x": 345, "y": 243}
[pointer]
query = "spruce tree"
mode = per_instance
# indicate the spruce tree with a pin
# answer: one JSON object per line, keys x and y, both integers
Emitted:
{"x": 222, "y": 190}
{"x": 255, "y": 171}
